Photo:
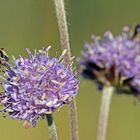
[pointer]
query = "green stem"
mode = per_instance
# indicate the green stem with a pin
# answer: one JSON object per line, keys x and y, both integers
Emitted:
{"x": 51, "y": 127}
{"x": 104, "y": 112}
{"x": 64, "y": 39}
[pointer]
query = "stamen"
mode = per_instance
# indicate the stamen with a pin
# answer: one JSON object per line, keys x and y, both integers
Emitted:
{"x": 2, "y": 77}
{"x": 62, "y": 55}
{"x": 47, "y": 50}
{"x": 26, "y": 124}
{"x": 56, "y": 82}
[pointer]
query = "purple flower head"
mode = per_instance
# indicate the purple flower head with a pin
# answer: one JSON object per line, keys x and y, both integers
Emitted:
{"x": 113, "y": 60}
{"x": 36, "y": 86}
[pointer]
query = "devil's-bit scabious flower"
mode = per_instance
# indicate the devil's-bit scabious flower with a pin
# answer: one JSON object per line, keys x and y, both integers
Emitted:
{"x": 36, "y": 86}
{"x": 114, "y": 60}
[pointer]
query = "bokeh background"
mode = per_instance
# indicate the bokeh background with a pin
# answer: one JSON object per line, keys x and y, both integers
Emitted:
{"x": 32, "y": 24}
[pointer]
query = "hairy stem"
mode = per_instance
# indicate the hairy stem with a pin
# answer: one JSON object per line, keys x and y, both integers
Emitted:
{"x": 64, "y": 39}
{"x": 51, "y": 127}
{"x": 73, "y": 119}
{"x": 104, "y": 112}
{"x": 63, "y": 28}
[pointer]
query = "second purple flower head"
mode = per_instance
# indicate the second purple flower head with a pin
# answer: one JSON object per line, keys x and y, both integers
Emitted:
{"x": 114, "y": 60}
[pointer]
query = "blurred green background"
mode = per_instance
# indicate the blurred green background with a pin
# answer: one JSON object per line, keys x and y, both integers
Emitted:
{"x": 32, "y": 24}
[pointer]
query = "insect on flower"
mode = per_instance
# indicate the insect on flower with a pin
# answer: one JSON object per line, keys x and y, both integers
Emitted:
{"x": 3, "y": 60}
{"x": 37, "y": 85}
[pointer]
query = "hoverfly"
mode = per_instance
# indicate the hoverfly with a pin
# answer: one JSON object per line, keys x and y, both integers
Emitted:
{"x": 136, "y": 30}
{"x": 3, "y": 60}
